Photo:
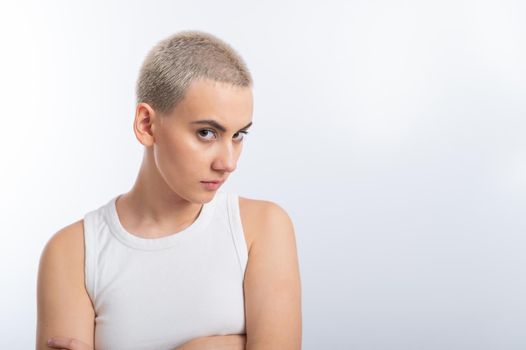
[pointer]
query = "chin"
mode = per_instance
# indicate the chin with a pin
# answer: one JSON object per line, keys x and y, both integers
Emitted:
{"x": 204, "y": 197}
{"x": 210, "y": 196}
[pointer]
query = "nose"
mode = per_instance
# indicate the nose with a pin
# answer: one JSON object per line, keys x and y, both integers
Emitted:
{"x": 226, "y": 159}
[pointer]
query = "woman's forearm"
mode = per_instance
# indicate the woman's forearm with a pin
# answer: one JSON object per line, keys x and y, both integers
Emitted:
{"x": 216, "y": 342}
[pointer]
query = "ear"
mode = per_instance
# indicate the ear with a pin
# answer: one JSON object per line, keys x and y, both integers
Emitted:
{"x": 143, "y": 124}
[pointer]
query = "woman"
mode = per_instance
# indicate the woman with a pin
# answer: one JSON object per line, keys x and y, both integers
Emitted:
{"x": 176, "y": 263}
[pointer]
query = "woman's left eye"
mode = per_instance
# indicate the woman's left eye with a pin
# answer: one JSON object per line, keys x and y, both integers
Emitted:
{"x": 243, "y": 133}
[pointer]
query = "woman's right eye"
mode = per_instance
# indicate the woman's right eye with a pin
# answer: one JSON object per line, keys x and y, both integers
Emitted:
{"x": 202, "y": 133}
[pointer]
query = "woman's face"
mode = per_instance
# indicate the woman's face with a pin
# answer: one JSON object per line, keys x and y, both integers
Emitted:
{"x": 187, "y": 150}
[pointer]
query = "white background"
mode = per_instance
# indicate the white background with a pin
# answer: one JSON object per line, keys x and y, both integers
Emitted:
{"x": 391, "y": 131}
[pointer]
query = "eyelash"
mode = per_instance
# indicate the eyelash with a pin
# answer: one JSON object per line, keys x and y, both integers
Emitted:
{"x": 242, "y": 132}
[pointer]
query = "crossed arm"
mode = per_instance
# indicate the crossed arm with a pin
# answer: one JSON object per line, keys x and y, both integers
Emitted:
{"x": 272, "y": 290}
{"x": 218, "y": 342}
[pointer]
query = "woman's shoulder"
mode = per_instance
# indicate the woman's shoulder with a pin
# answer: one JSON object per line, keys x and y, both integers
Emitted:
{"x": 259, "y": 216}
{"x": 69, "y": 237}
{"x": 255, "y": 206}
{"x": 65, "y": 247}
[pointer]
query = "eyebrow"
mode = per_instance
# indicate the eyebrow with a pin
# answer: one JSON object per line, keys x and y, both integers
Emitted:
{"x": 217, "y": 125}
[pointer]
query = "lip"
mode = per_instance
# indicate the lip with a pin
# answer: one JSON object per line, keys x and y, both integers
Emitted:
{"x": 214, "y": 181}
{"x": 212, "y": 185}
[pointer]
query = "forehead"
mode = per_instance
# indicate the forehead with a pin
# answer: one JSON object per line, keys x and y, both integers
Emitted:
{"x": 207, "y": 99}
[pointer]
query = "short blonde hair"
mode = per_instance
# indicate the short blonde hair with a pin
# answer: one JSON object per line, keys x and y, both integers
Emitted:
{"x": 173, "y": 63}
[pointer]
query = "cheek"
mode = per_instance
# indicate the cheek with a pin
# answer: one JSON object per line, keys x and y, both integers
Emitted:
{"x": 181, "y": 153}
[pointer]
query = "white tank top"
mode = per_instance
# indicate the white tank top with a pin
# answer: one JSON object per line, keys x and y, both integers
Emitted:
{"x": 162, "y": 292}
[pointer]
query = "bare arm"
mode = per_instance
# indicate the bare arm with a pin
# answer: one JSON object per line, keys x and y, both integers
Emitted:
{"x": 218, "y": 342}
{"x": 272, "y": 283}
{"x": 64, "y": 308}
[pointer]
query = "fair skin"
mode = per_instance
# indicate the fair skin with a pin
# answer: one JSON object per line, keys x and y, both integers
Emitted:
{"x": 166, "y": 198}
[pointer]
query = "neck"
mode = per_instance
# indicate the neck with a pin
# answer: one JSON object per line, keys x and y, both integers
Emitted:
{"x": 151, "y": 207}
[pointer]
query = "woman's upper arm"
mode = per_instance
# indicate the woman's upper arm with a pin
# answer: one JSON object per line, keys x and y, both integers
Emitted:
{"x": 64, "y": 308}
{"x": 272, "y": 283}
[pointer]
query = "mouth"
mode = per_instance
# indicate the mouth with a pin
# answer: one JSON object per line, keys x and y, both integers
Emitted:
{"x": 220, "y": 181}
{"x": 212, "y": 185}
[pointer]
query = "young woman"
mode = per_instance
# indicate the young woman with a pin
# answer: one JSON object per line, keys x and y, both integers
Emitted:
{"x": 177, "y": 263}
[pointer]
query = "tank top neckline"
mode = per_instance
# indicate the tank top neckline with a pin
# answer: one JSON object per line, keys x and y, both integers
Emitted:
{"x": 134, "y": 241}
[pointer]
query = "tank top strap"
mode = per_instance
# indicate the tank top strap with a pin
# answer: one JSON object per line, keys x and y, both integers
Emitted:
{"x": 236, "y": 229}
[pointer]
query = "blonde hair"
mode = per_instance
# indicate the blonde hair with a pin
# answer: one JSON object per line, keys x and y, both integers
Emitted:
{"x": 173, "y": 63}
